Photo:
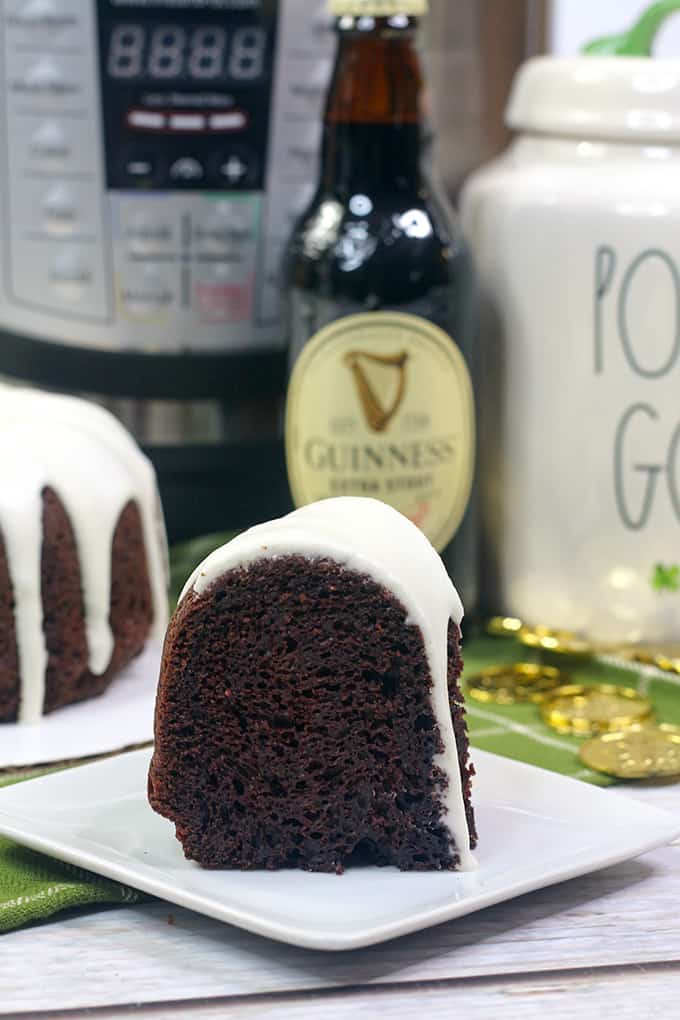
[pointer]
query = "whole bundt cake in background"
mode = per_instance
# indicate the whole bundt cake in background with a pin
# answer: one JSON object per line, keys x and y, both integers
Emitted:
{"x": 83, "y": 556}
{"x": 308, "y": 710}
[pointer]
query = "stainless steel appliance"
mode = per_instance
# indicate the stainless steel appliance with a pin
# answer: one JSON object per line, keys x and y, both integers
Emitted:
{"x": 154, "y": 156}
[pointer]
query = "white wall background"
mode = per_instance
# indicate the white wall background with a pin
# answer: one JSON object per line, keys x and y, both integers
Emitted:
{"x": 577, "y": 21}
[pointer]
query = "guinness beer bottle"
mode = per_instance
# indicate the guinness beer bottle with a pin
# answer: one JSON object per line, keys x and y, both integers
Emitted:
{"x": 380, "y": 401}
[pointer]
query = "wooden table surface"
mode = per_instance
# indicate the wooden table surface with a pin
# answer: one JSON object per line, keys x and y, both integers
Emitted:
{"x": 607, "y": 945}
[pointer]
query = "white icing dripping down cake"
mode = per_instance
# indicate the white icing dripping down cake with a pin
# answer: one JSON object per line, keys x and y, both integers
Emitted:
{"x": 94, "y": 466}
{"x": 372, "y": 538}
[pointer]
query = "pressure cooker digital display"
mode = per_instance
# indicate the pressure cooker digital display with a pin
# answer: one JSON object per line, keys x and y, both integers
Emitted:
{"x": 194, "y": 53}
{"x": 187, "y": 101}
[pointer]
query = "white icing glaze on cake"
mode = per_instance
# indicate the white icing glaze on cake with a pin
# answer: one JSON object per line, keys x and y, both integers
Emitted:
{"x": 371, "y": 538}
{"x": 95, "y": 467}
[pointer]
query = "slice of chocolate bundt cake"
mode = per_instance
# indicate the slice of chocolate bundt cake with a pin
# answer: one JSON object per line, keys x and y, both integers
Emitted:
{"x": 308, "y": 710}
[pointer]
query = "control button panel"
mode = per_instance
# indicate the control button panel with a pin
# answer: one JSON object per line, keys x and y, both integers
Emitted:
{"x": 148, "y": 228}
{"x": 50, "y": 142}
{"x": 185, "y": 264}
{"x": 146, "y": 292}
{"x": 225, "y": 228}
{"x": 186, "y": 170}
{"x": 57, "y": 82}
{"x": 43, "y": 21}
{"x": 232, "y": 120}
{"x": 147, "y": 120}
{"x": 55, "y": 236}
{"x": 70, "y": 272}
{"x": 185, "y": 82}
{"x": 237, "y": 167}
{"x": 60, "y": 210}
{"x": 140, "y": 166}
{"x": 223, "y": 294}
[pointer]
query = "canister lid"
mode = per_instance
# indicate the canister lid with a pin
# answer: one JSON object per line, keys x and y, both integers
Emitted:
{"x": 625, "y": 98}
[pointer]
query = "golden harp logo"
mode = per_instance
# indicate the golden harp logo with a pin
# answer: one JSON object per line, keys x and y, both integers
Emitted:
{"x": 375, "y": 379}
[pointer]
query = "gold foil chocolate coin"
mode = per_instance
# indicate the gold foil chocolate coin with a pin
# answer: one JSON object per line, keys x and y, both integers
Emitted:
{"x": 666, "y": 658}
{"x": 504, "y": 626}
{"x": 666, "y": 663}
{"x": 562, "y": 642}
{"x": 642, "y": 752}
{"x": 514, "y": 684}
{"x": 586, "y": 710}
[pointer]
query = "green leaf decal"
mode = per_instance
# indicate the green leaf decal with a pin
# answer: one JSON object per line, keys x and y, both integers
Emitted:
{"x": 666, "y": 578}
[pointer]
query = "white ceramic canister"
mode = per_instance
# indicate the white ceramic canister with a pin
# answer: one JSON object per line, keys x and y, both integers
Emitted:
{"x": 576, "y": 231}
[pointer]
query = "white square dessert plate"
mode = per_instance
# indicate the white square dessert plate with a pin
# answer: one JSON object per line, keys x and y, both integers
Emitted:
{"x": 535, "y": 828}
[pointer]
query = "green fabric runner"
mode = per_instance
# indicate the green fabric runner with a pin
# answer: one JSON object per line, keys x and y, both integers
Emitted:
{"x": 34, "y": 887}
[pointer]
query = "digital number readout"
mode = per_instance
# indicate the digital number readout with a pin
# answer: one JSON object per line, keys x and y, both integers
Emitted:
{"x": 171, "y": 52}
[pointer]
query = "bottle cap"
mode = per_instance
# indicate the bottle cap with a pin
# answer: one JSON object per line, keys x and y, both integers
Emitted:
{"x": 378, "y": 8}
{"x": 641, "y": 752}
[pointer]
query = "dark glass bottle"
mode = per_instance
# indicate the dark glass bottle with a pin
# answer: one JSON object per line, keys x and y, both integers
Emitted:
{"x": 382, "y": 406}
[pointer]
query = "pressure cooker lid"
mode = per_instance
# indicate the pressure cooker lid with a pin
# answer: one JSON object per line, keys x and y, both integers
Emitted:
{"x": 625, "y": 98}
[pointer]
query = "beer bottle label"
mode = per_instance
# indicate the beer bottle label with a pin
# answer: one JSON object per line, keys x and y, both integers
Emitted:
{"x": 381, "y": 405}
